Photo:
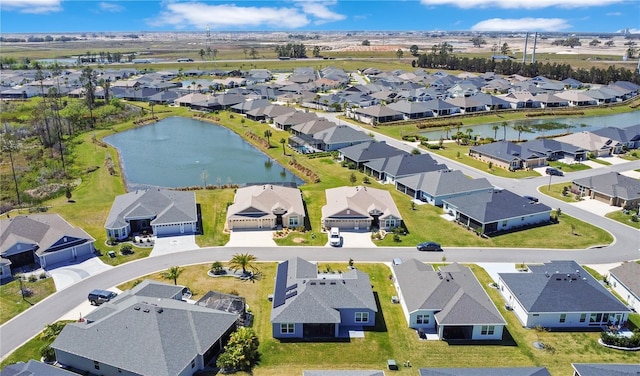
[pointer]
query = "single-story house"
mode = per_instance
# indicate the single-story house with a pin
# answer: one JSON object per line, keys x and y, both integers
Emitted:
{"x": 34, "y": 368}
{"x": 441, "y": 108}
{"x": 612, "y": 188}
{"x": 560, "y": 294}
{"x": 266, "y": 206}
{"x": 368, "y": 151}
{"x": 628, "y": 137}
{"x": 449, "y": 301}
{"x": 375, "y": 114}
{"x": 496, "y": 210}
{"x": 435, "y": 186}
{"x": 43, "y": 239}
{"x": 360, "y": 208}
{"x": 625, "y": 282}
{"x": 338, "y": 137}
{"x": 507, "y": 155}
{"x": 160, "y": 212}
{"x": 591, "y": 142}
{"x": 600, "y": 369}
{"x": 389, "y": 169}
{"x": 411, "y": 110}
{"x": 493, "y": 371}
{"x": 308, "y": 304}
{"x": 178, "y": 338}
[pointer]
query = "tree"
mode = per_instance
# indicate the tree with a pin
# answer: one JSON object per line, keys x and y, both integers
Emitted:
{"x": 495, "y": 131}
{"x": 88, "y": 80}
{"x": 366, "y": 42}
{"x": 217, "y": 268}
{"x": 267, "y": 135}
{"x": 609, "y": 43}
{"x": 243, "y": 261}
{"x": 283, "y": 141}
{"x": 67, "y": 193}
{"x": 204, "y": 176}
{"x": 253, "y": 53}
{"x": 414, "y": 50}
{"x": 316, "y": 51}
{"x": 10, "y": 145}
{"x": 504, "y": 49}
{"x": 399, "y": 53}
{"x": 572, "y": 42}
{"x": 504, "y": 130}
{"x": 151, "y": 105}
{"x": 447, "y": 129}
{"x": 172, "y": 274}
{"x": 521, "y": 128}
{"x": 202, "y": 53}
{"x": 594, "y": 43}
{"x": 241, "y": 352}
{"x": 48, "y": 354}
{"x": 352, "y": 178}
{"x": 478, "y": 41}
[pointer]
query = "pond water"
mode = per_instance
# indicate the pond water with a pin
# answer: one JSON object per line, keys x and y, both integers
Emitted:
{"x": 180, "y": 152}
{"x": 574, "y": 124}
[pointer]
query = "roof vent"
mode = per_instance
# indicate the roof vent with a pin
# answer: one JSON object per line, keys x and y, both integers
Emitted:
{"x": 146, "y": 310}
{"x": 159, "y": 309}
{"x": 136, "y": 308}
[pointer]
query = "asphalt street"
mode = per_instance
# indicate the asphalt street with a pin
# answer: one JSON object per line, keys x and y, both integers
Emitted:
{"x": 625, "y": 247}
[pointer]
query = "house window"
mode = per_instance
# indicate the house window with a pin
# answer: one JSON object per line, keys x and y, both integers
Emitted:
{"x": 293, "y": 221}
{"x": 96, "y": 364}
{"x": 504, "y": 223}
{"x": 193, "y": 363}
{"x": 583, "y": 317}
{"x": 390, "y": 223}
{"x": 422, "y": 319}
{"x": 563, "y": 317}
{"x": 487, "y": 330}
{"x": 362, "y": 316}
{"x": 287, "y": 328}
{"x": 605, "y": 317}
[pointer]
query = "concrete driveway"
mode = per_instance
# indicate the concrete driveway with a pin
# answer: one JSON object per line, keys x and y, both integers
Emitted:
{"x": 251, "y": 238}
{"x": 172, "y": 244}
{"x": 595, "y": 206}
{"x": 67, "y": 274}
{"x": 356, "y": 239}
{"x": 85, "y": 307}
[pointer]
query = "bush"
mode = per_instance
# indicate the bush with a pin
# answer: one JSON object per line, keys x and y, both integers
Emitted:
{"x": 43, "y": 275}
{"x": 619, "y": 341}
{"x": 33, "y": 278}
{"x": 396, "y": 238}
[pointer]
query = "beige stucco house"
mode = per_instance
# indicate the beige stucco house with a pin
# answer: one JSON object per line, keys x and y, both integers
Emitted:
{"x": 266, "y": 207}
{"x": 360, "y": 208}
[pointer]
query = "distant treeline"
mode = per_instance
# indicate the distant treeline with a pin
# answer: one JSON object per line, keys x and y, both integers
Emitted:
{"x": 508, "y": 67}
{"x": 47, "y": 38}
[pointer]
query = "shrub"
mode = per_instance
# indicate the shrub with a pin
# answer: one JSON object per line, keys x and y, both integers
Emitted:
{"x": 619, "y": 341}
{"x": 43, "y": 275}
{"x": 126, "y": 249}
{"x": 396, "y": 238}
{"x": 32, "y": 278}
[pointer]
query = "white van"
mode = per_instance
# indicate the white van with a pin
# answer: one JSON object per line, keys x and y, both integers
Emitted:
{"x": 334, "y": 237}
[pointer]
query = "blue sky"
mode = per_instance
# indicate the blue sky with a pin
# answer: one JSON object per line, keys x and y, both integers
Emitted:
{"x": 59, "y": 16}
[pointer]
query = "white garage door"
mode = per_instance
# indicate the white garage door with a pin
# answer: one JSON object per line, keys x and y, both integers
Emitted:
{"x": 50, "y": 258}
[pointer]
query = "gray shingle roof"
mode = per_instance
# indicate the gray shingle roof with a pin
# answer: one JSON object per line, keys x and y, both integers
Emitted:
{"x": 506, "y": 371}
{"x": 627, "y": 134}
{"x": 496, "y": 205}
{"x": 594, "y": 369}
{"x": 341, "y": 134}
{"x": 453, "y": 291}
{"x": 628, "y": 273}
{"x": 41, "y": 232}
{"x": 560, "y": 286}
{"x": 167, "y": 206}
{"x": 312, "y": 298}
{"x": 612, "y": 184}
{"x": 154, "y": 337}
{"x": 370, "y": 150}
{"x": 444, "y": 182}
{"x": 405, "y": 164}
{"x": 354, "y": 202}
{"x": 261, "y": 200}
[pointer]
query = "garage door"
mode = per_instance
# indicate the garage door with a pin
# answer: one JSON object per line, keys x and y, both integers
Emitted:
{"x": 51, "y": 258}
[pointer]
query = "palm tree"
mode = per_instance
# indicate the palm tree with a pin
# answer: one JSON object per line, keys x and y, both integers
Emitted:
{"x": 151, "y": 104}
{"x": 267, "y": 135}
{"x": 283, "y": 141}
{"x": 242, "y": 261}
{"x": 447, "y": 129}
{"x": 504, "y": 129}
{"x": 173, "y": 273}
{"x": 495, "y": 131}
{"x": 9, "y": 145}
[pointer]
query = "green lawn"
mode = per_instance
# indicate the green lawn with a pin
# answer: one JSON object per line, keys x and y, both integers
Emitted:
{"x": 391, "y": 338}
{"x": 555, "y": 191}
{"x": 623, "y": 218}
{"x": 11, "y": 301}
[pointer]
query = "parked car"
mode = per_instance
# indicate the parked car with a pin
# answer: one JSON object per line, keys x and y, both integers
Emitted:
{"x": 429, "y": 246}
{"x": 97, "y": 297}
{"x": 554, "y": 171}
{"x": 531, "y": 198}
{"x": 334, "y": 237}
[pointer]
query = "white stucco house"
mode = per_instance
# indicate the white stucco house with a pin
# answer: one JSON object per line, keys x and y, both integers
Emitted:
{"x": 160, "y": 212}
{"x": 625, "y": 281}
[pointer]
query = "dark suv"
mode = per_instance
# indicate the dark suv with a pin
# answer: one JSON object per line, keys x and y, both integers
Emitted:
{"x": 429, "y": 246}
{"x": 553, "y": 171}
{"x": 97, "y": 297}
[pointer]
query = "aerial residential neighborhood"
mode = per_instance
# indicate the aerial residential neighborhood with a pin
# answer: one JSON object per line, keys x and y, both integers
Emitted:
{"x": 189, "y": 200}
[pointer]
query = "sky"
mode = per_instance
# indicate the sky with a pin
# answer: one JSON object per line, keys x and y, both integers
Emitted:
{"x": 60, "y": 16}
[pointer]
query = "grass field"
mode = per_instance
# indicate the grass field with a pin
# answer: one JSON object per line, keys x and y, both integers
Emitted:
{"x": 11, "y": 301}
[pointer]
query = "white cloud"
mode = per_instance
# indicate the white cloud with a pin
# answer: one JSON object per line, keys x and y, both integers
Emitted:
{"x": 616, "y": 14}
{"x": 110, "y": 7}
{"x": 32, "y": 6}
{"x": 521, "y": 24}
{"x": 320, "y": 10}
{"x": 201, "y": 15}
{"x": 520, "y": 4}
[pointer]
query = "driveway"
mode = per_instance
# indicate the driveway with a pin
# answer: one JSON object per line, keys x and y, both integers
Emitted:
{"x": 84, "y": 308}
{"x": 356, "y": 239}
{"x": 595, "y": 206}
{"x": 65, "y": 275}
{"x": 173, "y": 244}
{"x": 251, "y": 238}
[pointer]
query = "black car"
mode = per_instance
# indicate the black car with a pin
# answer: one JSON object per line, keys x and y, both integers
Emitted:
{"x": 531, "y": 198}
{"x": 429, "y": 246}
{"x": 553, "y": 171}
